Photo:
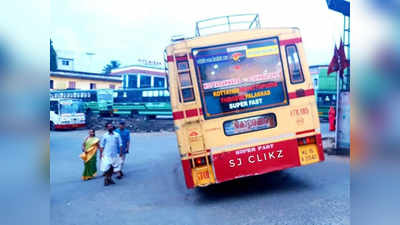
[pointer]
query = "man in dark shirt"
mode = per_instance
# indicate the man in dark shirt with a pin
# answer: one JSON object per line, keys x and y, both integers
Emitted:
{"x": 125, "y": 137}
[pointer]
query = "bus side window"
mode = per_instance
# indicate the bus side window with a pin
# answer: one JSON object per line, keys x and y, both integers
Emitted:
{"x": 293, "y": 59}
{"x": 185, "y": 80}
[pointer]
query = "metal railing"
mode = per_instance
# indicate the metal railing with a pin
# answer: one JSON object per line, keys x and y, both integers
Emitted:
{"x": 227, "y": 23}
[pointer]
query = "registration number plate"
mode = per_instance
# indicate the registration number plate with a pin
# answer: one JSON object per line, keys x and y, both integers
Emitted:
{"x": 202, "y": 176}
{"x": 308, "y": 154}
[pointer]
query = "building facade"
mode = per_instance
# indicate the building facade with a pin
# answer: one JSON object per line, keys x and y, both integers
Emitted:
{"x": 142, "y": 76}
{"x": 79, "y": 61}
{"x": 62, "y": 80}
{"x": 325, "y": 88}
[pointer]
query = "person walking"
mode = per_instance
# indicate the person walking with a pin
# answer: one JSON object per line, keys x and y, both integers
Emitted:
{"x": 110, "y": 149}
{"x": 125, "y": 137}
{"x": 89, "y": 155}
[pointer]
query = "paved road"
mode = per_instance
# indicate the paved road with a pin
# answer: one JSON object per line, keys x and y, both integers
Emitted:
{"x": 153, "y": 190}
{"x": 325, "y": 131}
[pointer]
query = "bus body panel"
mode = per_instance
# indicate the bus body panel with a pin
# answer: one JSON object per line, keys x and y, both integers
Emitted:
{"x": 257, "y": 151}
{"x": 134, "y": 101}
{"x": 97, "y": 101}
{"x": 142, "y": 101}
{"x": 69, "y": 126}
{"x": 260, "y": 159}
{"x": 255, "y": 160}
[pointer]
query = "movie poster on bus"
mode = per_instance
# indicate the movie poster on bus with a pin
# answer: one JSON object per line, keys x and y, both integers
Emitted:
{"x": 240, "y": 77}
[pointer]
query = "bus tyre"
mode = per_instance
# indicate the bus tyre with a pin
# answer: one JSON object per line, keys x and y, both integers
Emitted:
{"x": 89, "y": 115}
{"x": 134, "y": 113}
{"x": 52, "y": 127}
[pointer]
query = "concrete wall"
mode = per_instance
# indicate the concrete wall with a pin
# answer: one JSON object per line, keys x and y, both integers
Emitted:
{"x": 83, "y": 84}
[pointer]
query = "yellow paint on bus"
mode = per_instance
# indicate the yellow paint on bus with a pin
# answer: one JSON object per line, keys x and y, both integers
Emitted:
{"x": 246, "y": 105}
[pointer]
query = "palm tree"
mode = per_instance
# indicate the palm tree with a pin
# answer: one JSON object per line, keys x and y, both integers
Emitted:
{"x": 112, "y": 65}
{"x": 53, "y": 57}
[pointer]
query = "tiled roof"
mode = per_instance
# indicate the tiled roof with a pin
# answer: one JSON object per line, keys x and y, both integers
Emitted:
{"x": 139, "y": 69}
{"x": 86, "y": 75}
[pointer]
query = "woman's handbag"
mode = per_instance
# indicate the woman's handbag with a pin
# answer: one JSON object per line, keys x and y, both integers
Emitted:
{"x": 83, "y": 156}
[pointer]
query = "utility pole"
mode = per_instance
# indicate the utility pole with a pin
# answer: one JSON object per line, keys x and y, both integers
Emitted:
{"x": 90, "y": 55}
{"x": 343, "y": 7}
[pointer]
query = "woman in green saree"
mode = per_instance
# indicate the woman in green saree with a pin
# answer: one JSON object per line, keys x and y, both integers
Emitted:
{"x": 89, "y": 148}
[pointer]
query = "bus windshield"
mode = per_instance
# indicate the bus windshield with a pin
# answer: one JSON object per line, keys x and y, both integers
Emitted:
{"x": 71, "y": 107}
{"x": 240, "y": 77}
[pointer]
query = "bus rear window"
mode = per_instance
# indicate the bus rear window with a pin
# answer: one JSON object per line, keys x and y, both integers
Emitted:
{"x": 240, "y": 77}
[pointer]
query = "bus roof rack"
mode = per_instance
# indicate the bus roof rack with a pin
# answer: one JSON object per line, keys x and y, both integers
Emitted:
{"x": 227, "y": 23}
{"x": 178, "y": 37}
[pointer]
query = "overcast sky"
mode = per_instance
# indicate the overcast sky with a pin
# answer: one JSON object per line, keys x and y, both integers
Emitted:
{"x": 127, "y": 30}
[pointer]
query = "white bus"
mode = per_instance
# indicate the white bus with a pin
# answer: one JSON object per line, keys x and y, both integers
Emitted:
{"x": 66, "y": 114}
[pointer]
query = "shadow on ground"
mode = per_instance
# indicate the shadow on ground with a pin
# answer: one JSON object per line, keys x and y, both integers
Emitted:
{"x": 270, "y": 183}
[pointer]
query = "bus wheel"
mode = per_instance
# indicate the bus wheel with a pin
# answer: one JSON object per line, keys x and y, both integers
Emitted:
{"x": 89, "y": 112}
{"x": 134, "y": 113}
{"x": 52, "y": 127}
{"x": 88, "y": 115}
{"x": 151, "y": 117}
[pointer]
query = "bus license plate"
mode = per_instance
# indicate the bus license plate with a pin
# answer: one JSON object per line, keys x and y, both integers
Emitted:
{"x": 308, "y": 154}
{"x": 202, "y": 176}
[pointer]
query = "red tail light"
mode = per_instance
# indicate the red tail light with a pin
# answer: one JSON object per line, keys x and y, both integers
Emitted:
{"x": 306, "y": 140}
{"x": 201, "y": 161}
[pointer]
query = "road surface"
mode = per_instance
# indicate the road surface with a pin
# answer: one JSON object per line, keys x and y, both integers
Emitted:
{"x": 153, "y": 190}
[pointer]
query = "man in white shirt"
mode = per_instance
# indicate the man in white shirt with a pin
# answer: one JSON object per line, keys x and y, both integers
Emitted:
{"x": 110, "y": 150}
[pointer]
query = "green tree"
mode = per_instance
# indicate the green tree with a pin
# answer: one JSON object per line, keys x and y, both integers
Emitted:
{"x": 53, "y": 57}
{"x": 112, "y": 65}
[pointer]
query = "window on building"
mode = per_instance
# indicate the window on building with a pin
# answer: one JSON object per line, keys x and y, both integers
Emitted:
{"x": 295, "y": 71}
{"x": 92, "y": 85}
{"x": 159, "y": 82}
{"x": 145, "y": 81}
{"x": 65, "y": 62}
{"x": 315, "y": 83}
{"x": 132, "y": 81}
{"x": 71, "y": 84}
{"x": 112, "y": 86}
{"x": 51, "y": 84}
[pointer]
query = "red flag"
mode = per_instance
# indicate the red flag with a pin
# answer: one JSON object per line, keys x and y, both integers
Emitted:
{"x": 334, "y": 64}
{"x": 343, "y": 62}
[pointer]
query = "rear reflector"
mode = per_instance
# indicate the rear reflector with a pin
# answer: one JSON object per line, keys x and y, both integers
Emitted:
{"x": 201, "y": 161}
{"x": 306, "y": 140}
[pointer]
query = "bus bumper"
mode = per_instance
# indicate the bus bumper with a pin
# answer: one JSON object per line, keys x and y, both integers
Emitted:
{"x": 257, "y": 160}
{"x": 265, "y": 158}
{"x": 68, "y": 126}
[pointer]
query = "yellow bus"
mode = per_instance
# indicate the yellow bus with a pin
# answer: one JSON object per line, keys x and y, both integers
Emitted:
{"x": 243, "y": 104}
